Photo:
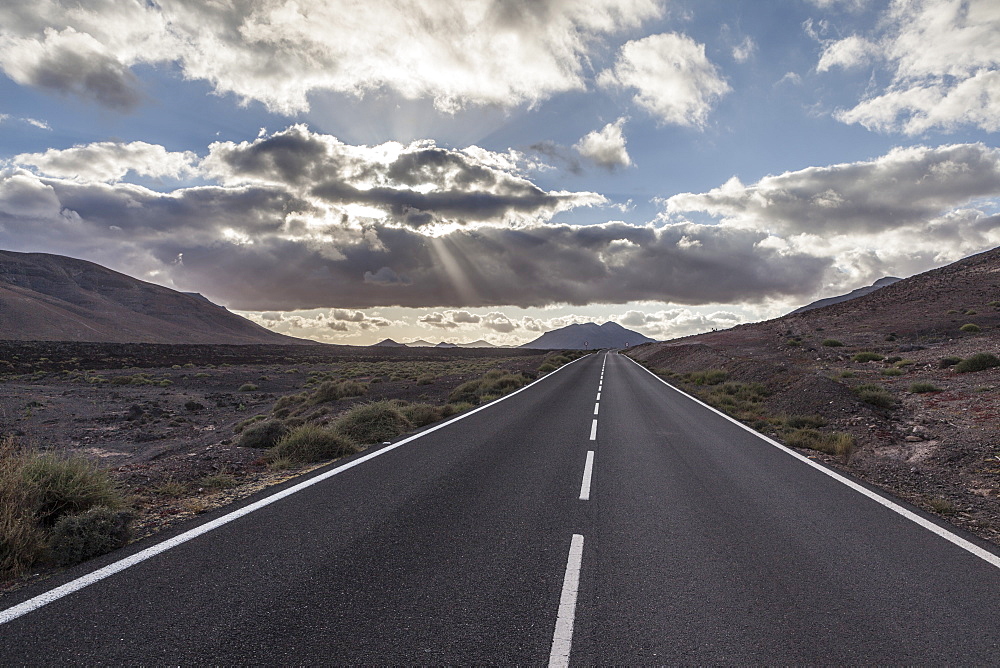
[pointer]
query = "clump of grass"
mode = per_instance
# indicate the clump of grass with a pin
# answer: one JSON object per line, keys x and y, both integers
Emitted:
{"x": 868, "y": 356}
{"x": 978, "y": 362}
{"x": 312, "y": 443}
{"x": 923, "y": 388}
{"x": 450, "y": 409}
{"x": 420, "y": 415}
{"x": 971, "y": 328}
{"x": 332, "y": 391}
{"x": 894, "y": 371}
{"x": 426, "y": 379}
{"x": 804, "y": 421}
{"x": 76, "y": 538}
{"x": 248, "y": 387}
{"x": 833, "y": 443}
{"x": 950, "y": 360}
{"x": 876, "y": 395}
{"x": 831, "y": 343}
{"x": 263, "y": 434}
{"x": 847, "y": 374}
{"x": 171, "y": 489}
{"x": 372, "y": 422}
{"x": 37, "y": 490}
{"x": 218, "y": 481}
{"x": 494, "y": 383}
{"x": 707, "y": 377}
{"x": 794, "y": 343}
{"x": 941, "y": 505}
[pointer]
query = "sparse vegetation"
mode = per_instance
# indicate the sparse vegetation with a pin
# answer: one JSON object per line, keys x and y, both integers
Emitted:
{"x": 372, "y": 422}
{"x": 831, "y": 343}
{"x": 263, "y": 434}
{"x": 978, "y": 362}
{"x": 868, "y": 356}
{"x": 923, "y": 388}
{"x": 494, "y": 383}
{"x": 950, "y": 360}
{"x": 248, "y": 387}
{"x": 876, "y": 395}
{"x": 971, "y": 328}
{"x": 38, "y": 490}
{"x": 893, "y": 371}
{"x": 312, "y": 443}
{"x": 708, "y": 377}
{"x": 76, "y": 538}
{"x": 833, "y": 443}
{"x": 941, "y": 505}
{"x": 333, "y": 391}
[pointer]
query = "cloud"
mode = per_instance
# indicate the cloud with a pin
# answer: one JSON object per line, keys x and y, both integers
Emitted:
{"x": 673, "y": 79}
{"x": 264, "y": 240}
{"x": 847, "y": 53}
{"x": 677, "y": 322}
{"x": 386, "y": 276}
{"x": 743, "y": 50}
{"x": 437, "y": 320}
{"x": 415, "y": 185}
{"x": 111, "y": 161}
{"x": 906, "y": 187}
{"x": 482, "y": 52}
{"x": 943, "y": 59}
{"x": 605, "y": 147}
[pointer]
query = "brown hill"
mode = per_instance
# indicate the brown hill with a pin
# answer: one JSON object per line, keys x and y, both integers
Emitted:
{"x": 54, "y": 298}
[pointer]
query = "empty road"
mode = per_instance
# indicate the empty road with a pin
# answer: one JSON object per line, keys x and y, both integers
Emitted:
{"x": 597, "y": 516}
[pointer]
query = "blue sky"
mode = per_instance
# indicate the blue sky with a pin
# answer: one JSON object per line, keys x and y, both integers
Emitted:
{"x": 351, "y": 171}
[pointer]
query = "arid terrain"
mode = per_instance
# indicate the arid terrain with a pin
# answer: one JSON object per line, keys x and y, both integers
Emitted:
{"x": 165, "y": 420}
{"x": 924, "y": 426}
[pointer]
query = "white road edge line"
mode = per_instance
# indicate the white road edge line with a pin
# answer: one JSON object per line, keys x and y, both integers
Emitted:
{"x": 588, "y": 473}
{"x": 957, "y": 540}
{"x": 562, "y": 638}
{"x": 593, "y": 430}
{"x": 83, "y": 581}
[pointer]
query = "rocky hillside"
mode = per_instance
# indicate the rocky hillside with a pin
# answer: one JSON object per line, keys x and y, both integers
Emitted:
{"x": 54, "y": 298}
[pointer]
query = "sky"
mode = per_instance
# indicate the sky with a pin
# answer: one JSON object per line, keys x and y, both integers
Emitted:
{"x": 460, "y": 170}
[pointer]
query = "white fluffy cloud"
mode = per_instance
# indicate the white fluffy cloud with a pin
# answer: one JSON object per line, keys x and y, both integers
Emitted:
{"x": 278, "y": 51}
{"x": 901, "y": 213}
{"x": 943, "y": 57}
{"x": 605, "y": 147}
{"x": 111, "y": 161}
{"x": 672, "y": 78}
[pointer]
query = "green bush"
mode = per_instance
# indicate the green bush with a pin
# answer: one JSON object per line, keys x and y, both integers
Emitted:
{"x": 263, "y": 434}
{"x": 494, "y": 383}
{"x": 868, "y": 356}
{"x": 372, "y": 422}
{"x": 332, "y": 391}
{"x": 978, "y": 362}
{"x": 68, "y": 485}
{"x": 707, "y": 377}
{"x": 832, "y": 443}
{"x": 923, "y": 388}
{"x": 804, "y": 421}
{"x": 76, "y": 538}
{"x": 312, "y": 443}
{"x": 546, "y": 368}
{"x": 248, "y": 387}
{"x": 455, "y": 408}
{"x": 971, "y": 328}
{"x": 426, "y": 379}
{"x": 831, "y": 343}
{"x": 420, "y": 415}
{"x": 948, "y": 361}
{"x": 876, "y": 395}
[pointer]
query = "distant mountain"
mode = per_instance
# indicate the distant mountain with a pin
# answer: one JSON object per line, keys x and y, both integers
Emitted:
{"x": 588, "y": 335}
{"x": 47, "y": 297}
{"x": 388, "y": 343}
{"x": 477, "y": 344}
{"x": 419, "y": 343}
{"x": 853, "y": 294}
{"x": 445, "y": 344}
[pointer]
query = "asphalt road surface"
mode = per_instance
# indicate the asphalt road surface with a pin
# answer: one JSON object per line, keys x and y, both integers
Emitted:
{"x": 596, "y": 517}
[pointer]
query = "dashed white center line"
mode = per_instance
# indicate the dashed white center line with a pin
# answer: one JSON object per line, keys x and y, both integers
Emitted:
{"x": 593, "y": 430}
{"x": 562, "y": 639}
{"x": 597, "y": 406}
{"x": 598, "y": 397}
{"x": 588, "y": 472}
